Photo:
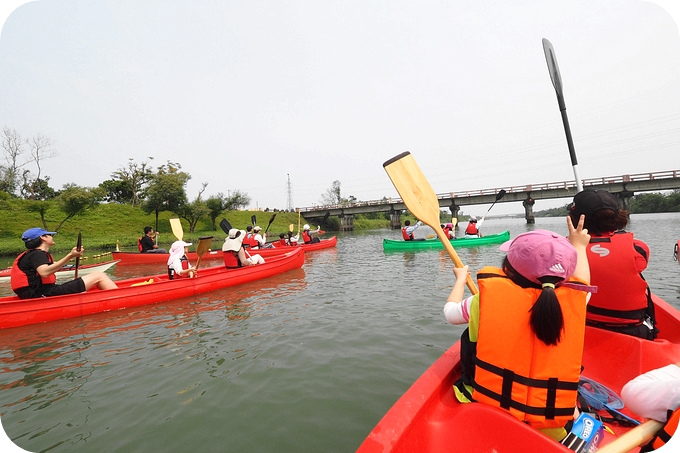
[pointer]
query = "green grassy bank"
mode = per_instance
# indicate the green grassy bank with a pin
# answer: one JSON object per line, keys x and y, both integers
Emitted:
{"x": 106, "y": 224}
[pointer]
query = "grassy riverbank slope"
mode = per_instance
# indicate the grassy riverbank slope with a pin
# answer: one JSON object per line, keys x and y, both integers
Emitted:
{"x": 106, "y": 224}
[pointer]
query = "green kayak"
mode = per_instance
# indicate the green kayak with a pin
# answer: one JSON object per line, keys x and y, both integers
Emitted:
{"x": 435, "y": 243}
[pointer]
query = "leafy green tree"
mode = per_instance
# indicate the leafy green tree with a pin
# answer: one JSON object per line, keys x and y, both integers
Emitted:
{"x": 215, "y": 204}
{"x": 193, "y": 212}
{"x": 39, "y": 206}
{"x": 166, "y": 190}
{"x": 128, "y": 184}
{"x": 37, "y": 189}
{"x": 74, "y": 200}
{"x": 237, "y": 200}
{"x": 332, "y": 195}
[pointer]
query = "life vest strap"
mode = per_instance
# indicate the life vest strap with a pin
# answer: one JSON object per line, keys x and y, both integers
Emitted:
{"x": 530, "y": 410}
{"x": 550, "y": 383}
{"x": 635, "y": 315}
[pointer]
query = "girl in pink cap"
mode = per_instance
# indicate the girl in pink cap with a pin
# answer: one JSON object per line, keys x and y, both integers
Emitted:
{"x": 523, "y": 346}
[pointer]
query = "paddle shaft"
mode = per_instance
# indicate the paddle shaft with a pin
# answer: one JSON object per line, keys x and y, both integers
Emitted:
{"x": 556, "y": 78}
{"x": 636, "y": 437}
{"x": 79, "y": 247}
{"x": 499, "y": 195}
{"x": 421, "y": 201}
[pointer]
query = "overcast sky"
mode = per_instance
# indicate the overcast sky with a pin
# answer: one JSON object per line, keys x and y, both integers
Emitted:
{"x": 245, "y": 95}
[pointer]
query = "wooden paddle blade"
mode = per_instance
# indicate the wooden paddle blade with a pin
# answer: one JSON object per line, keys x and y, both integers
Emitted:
{"x": 202, "y": 247}
{"x": 177, "y": 229}
{"x": 225, "y": 225}
{"x": 421, "y": 200}
{"x": 291, "y": 227}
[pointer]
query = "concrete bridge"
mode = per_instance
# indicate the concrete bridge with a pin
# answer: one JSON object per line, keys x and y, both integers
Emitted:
{"x": 624, "y": 187}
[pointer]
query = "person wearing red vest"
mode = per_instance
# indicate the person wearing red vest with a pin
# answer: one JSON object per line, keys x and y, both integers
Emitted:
{"x": 529, "y": 320}
{"x": 178, "y": 264}
{"x": 407, "y": 230}
{"x": 234, "y": 254}
{"x": 623, "y": 301}
{"x": 307, "y": 235}
{"x": 655, "y": 395}
{"x": 33, "y": 271}
{"x": 472, "y": 229}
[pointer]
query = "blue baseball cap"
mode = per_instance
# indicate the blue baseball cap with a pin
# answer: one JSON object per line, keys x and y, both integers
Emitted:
{"x": 35, "y": 233}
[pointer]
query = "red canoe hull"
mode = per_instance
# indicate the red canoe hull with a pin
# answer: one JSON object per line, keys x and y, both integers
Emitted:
{"x": 429, "y": 418}
{"x": 160, "y": 258}
{"x": 15, "y": 312}
{"x": 279, "y": 249}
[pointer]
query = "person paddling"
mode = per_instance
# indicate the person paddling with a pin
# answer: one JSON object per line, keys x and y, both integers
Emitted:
{"x": 178, "y": 263}
{"x": 407, "y": 230}
{"x": 472, "y": 229}
{"x": 523, "y": 346}
{"x": 623, "y": 301}
{"x": 33, "y": 272}
{"x": 234, "y": 254}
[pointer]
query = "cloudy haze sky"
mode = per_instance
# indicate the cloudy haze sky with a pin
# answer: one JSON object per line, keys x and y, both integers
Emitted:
{"x": 245, "y": 95}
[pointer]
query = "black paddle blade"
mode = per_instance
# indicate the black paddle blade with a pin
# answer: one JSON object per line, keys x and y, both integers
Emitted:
{"x": 501, "y": 193}
{"x": 325, "y": 217}
{"x": 253, "y": 219}
{"x": 225, "y": 225}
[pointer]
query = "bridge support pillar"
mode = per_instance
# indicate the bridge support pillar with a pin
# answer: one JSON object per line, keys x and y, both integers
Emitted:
{"x": 395, "y": 219}
{"x": 454, "y": 213}
{"x": 624, "y": 200}
{"x": 346, "y": 222}
{"x": 529, "y": 209}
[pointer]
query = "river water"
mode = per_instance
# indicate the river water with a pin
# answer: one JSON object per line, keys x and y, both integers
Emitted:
{"x": 308, "y": 361}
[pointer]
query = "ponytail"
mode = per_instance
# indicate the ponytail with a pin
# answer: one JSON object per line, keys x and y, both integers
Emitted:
{"x": 547, "y": 320}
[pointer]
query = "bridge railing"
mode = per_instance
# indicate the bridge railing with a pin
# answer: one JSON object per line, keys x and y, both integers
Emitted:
{"x": 524, "y": 188}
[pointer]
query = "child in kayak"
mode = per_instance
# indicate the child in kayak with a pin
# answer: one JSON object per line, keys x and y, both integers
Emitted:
{"x": 523, "y": 346}
{"x": 178, "y": 264}
{"x": 623, "y": 301}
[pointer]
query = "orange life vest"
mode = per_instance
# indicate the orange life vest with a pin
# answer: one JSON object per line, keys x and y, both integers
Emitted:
{"x": 516, "y": 371}
{"x": 20, "y": 280}
{"x": 622, "y": 293}
{"x": 665, "y": 433}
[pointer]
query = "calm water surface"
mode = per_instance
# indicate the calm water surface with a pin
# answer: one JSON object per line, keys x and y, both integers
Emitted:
{"x": 304, "y": 362}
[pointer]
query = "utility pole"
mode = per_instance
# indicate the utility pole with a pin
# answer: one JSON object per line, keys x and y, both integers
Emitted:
{"x": 289, "y": 203}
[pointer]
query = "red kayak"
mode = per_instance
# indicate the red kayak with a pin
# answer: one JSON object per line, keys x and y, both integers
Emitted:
{"x": 162, "y": 258}
{"x": 429, "y": 418}
{"x": 16, "y": 312}
{"x": 69, "y": 270}
{"x": 279, "y": 249}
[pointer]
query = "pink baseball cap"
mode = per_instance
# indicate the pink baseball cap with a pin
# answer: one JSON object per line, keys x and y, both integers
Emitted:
{"x": 541, "y": 253}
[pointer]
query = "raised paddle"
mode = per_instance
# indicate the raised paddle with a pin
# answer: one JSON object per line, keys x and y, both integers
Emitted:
{"x": 421, "y": 201}
{"x": 202, "y": 247}
{"x": 636, "y": 437}
{"x": 177, "y": 229}
{"x": 79, "y": 247}
{"x": 253, "y": 219}
{"x": 554, "y": 71}
{"x": 270, "y": 223}
{"x": 225, "y": 225}
{"x": 499, "y": 195}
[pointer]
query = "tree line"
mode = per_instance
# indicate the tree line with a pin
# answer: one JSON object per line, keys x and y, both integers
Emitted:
{"x": 158, "y": 189}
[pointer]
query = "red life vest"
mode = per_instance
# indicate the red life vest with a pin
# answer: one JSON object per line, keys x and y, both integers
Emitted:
{"x": 283, "y": 241}
{"x": 185, "y": 266}
{"x": 306, "y": 237}
{"x": 665, "y": 433}
{"x": 472, "y": 228}
{"x": 249, "y": 240}
{"x": 139, "y": 244}
{"x": 447, "y": 232}
{"x": 405, "y": 235}
{"x": 622, "y": 295}
{"x": 20, "y": 279}
{"x": 514, "y": 370}
{"x": 231, "y": 260}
